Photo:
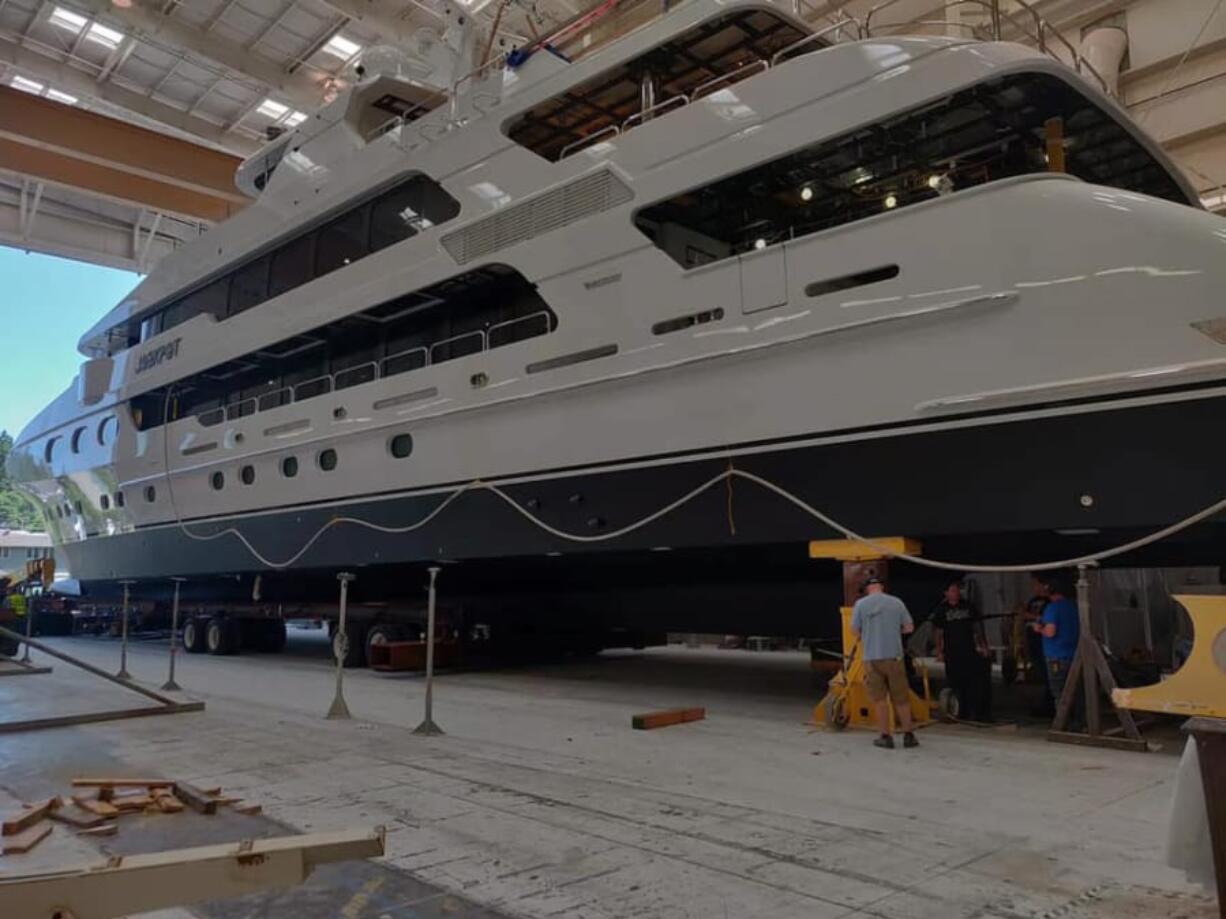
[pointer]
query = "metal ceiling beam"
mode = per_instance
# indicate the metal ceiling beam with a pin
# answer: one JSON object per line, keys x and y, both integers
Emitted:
{"x": 303, "y": 88}
{"x": 381, "y": 16}
{"x": 72, "y": 80}
{"x": 80, "y": 149}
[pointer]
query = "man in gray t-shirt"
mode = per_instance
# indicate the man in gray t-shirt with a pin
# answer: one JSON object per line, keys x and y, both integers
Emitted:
{"x": 879, "y": 622}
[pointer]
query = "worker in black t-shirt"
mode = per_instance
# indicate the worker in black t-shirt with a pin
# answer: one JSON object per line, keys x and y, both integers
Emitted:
{"x": 963, "y": 646}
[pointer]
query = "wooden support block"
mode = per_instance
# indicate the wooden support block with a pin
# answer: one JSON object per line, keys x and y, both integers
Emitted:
{"x": 132, "y": 805}
{"x": 106, "y": 793}
{"x": 101, "y": 808}
{"x": 649, "y": 720}
{"x": 251, "y": 810}
{"x": 26, "y": 840}
{"x": 223, "y": 800}
{"x": 122, "y": 783}
{"x": 105, "y": 829}
{"x": 77, "y": 818}
{"x": 168, "y": 804}
{"x": 29, "y": 816}
{"x": 195, "y": 798}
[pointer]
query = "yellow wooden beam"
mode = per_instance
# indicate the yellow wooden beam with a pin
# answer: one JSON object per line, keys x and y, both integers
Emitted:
{"x": 52, "y": 129}
{"x": 851, "y": 550}
{"x": 109, "y": 183}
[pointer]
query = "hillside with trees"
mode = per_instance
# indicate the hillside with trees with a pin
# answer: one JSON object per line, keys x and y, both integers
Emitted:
{"x": 15, "y": 511}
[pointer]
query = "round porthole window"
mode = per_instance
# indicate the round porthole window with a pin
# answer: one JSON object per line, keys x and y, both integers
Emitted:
{"x": 327, "y": 459}
{"x": 76, "y": 440}
{"x": 151, "y": 494}
{"x": 401, "y": 445}
{"x": 106, "y": 430}
{"x": 289, "y": 467}
{"x": 105, "y": 502}
{"x": 119, "y": 499}
{"x": 49, "y": 450}
{"x": 247, "y": 474}
{"x": 218, "y": 480}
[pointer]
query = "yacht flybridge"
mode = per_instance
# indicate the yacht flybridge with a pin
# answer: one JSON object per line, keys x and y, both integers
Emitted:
{"x": 890, "y": 275}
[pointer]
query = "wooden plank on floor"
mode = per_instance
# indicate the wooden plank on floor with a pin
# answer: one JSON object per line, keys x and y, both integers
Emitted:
{"x": 123, "y": 783}
{"x": 77, "y": 818}
{"x": 649, "y": 720}
{"x": 30, "y": 816}
{"x": 99, "y": 808}
{"x": 196, "y": 799}
{"x": 26, "y": 840}
{"x": 1101, "y": 740}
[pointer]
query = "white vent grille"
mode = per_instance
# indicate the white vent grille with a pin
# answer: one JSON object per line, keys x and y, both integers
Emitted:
{"x": 600, "y": 191}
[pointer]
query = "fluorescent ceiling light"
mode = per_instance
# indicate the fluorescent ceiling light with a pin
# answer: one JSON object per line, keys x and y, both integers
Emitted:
{"x": 57, "y": 96}
{"x": 293, "y": 119}
{"x": 67, "y": 19}
{"x": 341, "y": 47}
{"x": 1212, "y": 202}
{"x": 27, "y": 86}
{"x": 272, "y": 108}
{"x": 104, "y": 35}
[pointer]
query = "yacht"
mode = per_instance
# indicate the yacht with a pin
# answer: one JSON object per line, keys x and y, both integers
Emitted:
{"x": 933, "y": 286}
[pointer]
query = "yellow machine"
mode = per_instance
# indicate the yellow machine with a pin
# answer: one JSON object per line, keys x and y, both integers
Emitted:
{"x": 846, "y": 702}
{"x": 1198, "y": 688}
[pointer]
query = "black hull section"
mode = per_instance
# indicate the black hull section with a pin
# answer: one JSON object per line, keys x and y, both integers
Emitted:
{"x": 994, "y": 492}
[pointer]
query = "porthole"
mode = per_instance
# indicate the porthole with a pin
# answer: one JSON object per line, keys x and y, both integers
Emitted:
{"x": 49, "y": 449}
{"x": 106, "y": 430}
{"x": 76, "y": 440}
{"x": 289, "y": 467}
{"x": 218, "y": 480}
{"x": 401, "y": 445}
{"x": 151, "y": 494}
{"x": 69, "y": 510}
{"x": 105, "y": 502}
{"x": 247, "y": 474}
{"x": 119, "y": 499}
{"x": 327, "y": 459}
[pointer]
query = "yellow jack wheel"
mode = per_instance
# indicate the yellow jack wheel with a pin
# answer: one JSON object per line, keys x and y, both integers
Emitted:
{"x": 834, "y": 712}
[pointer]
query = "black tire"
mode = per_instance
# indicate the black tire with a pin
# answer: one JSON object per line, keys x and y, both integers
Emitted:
{"x": 381, "y": 633}
{"x": 221, "y": 636}
{"x": 355, "y": 635}
{"x": 193, "y": 636}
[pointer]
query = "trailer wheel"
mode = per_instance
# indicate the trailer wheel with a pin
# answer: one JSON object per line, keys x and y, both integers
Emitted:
{"x": 193, "y": 636}
{"x": 354, "y": 641}
{"x": 381, "y": 634}
{"x": 221, "y": 636}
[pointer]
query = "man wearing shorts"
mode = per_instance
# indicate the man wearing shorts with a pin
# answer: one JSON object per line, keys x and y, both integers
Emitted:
{"x": 879, "y": 622}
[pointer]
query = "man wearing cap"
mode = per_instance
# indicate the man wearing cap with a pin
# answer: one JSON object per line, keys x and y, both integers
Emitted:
{"x": 879, "y": 621}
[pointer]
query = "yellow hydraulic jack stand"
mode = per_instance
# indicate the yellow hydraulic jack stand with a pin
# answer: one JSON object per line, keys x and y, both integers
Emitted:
{"x": 846, "y": 701}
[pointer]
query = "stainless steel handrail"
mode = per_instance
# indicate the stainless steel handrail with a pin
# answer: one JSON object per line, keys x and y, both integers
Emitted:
{"x": 576, "y": 145}
{"x": 305, "y": 383}
{"x": 232, "y": 408}
{"x": 348, "y": 371}
{"x": 420, "y": 349}
{"x": 540, "y": 314}
{"x": 732, "y": 76}
{"x": 809, "y": 39}
{"x": 476, "y": 333}
{"x": 659, "y": 108}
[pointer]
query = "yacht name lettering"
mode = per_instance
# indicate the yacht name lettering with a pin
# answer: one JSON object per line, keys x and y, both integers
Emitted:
{"x": 160, "y": 354}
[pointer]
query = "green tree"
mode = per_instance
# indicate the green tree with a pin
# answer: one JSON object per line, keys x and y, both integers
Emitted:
{"x": 16, "y": 511}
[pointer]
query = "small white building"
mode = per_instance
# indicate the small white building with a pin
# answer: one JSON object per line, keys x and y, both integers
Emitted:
{"x": 20, "y": 546}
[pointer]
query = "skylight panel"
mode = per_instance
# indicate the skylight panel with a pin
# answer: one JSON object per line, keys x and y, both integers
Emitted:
{"x": 104, "y": 35}
{"x": 27, "y": 86}
{"x": 295, "y": 118}
{"x": 56, "y": 96}
{"x": 67, "y": 20}
{"x": 341, "y": 47}
{"x": 272, "y": 108}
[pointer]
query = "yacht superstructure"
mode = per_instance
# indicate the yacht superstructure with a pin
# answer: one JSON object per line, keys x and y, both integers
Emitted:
{"x": 849, "y": 266}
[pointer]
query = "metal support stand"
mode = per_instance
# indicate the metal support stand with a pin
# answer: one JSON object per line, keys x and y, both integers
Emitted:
{"x": 427, "y": 726}
{"x": 1210, "y": 736}
{"x": 170, "y": 685}
{"x": 25, "y": 654}
{"x": 123, "y": 648}
{"x": 339, "y": 711}
{"x": 1090, "y": 669}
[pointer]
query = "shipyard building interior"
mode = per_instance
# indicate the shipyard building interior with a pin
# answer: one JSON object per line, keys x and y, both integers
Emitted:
{"x": 613, "y": 458}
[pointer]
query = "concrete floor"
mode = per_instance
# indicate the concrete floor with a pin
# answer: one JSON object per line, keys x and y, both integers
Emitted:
{"x": 541, "y": 801}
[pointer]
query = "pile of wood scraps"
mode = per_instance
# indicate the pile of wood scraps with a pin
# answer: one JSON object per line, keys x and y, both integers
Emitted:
{"x": 96, "y": 804}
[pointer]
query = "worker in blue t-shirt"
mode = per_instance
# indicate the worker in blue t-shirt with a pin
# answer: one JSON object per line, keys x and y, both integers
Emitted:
{"x": 1060, "y": 626}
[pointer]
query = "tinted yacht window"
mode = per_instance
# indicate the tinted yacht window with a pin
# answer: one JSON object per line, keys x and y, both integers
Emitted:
{"x": 293, "y": 265}
{"x": 991, "y": 131}
{"x": 342, "y": 241}
{"x": 250, "y": 286}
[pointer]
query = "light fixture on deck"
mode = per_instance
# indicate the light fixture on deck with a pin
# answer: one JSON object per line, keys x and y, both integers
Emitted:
{"x": 806, "y": 193}
{"x": 891, "y": 201}
{"x": 759, "y": 243}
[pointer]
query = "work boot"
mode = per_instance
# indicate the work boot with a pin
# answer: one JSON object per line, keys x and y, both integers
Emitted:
{"x": 885, "y": 741}
{"x": 908, "y": 740}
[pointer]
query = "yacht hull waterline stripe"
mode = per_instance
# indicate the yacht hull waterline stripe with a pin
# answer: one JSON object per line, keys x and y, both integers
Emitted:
{"x": 727, "y": 476}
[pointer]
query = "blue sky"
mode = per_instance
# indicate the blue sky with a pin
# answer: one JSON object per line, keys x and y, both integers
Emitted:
{"x": 45, "y": 305}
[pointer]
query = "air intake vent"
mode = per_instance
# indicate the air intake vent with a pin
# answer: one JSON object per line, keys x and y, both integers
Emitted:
{"x": 600, "y": 191}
